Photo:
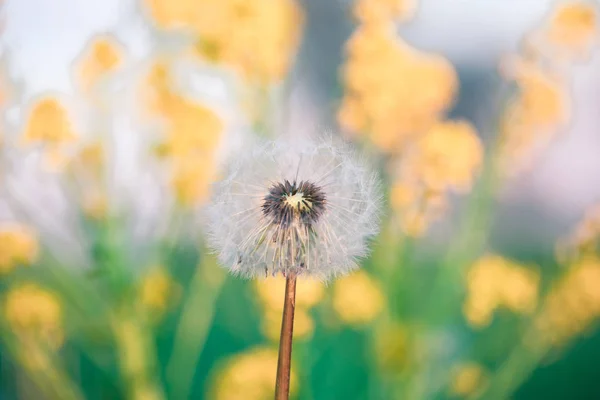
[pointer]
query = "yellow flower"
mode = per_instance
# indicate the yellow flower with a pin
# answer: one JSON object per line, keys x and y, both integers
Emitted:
{"x": 102, "y": 56}
{"x": 447, "y": 156}
{"x": 494, "y": 282}
{"x": 392, "y": 91}
{"x": 309, "y": 292}
{"x": 538, "y": 110}
{"x": 34, "y": 315}
{"x": 357, "y": 298}
{"x": 18, "y": 246}
{"x": 304, "y": 325}
{"x": 249, "y": 376}
{"x": 467, "y": 378}
{"x": 48, "y": 122}
{"x": 381, "y": 10}
{"x": 392, "y": 347}
{"x": 86, "y": 167}
{"x": 573, "y": 304}
{"x": 256, "y": 37}
{"x": 573, "y": 27}
{"x": 583, "y": 241}
{"x": 158, "y": 290}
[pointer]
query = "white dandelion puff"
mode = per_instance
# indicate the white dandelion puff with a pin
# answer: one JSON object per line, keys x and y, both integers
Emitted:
{"x": 297, "y": 208}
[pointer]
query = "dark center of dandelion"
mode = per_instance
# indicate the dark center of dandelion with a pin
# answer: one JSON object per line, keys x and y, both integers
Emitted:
{"x": 288, "y": 202}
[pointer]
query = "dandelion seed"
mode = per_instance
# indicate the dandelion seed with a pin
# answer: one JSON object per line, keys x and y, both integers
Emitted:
{"x": 296, "y": 209}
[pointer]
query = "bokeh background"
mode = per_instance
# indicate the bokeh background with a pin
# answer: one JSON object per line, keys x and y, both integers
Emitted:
{"x": 480, "y": 115}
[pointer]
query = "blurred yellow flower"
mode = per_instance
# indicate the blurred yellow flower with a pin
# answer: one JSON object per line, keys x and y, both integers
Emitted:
{"x": 357, "y": 298}
{"x": 446, "y": 157}
{"x": 86, "y": 167}
{"x": 572, "y": 305}
{"x": 585, "y": 238}
{"x": 304, "y": 325}
{"x": 18, "y": 246}
{"x": 384, "y": 10}
{"x": 158, "y": 290}
{"x": 537, "y": 111}
{"x": 48, "y": 122}
{"x": 391, "y": 347}
{"x": 467, "y": 379}
{"x": 193, "y": 134}
{"x": 271, "y": 292}
{"x": 392, "y": 91}
{"x": 102, "y": 56}
{"x": 494, "y": 282}
{"x": 573, "y": 28}
{"x": 249, "y": 376}
{"x": 34, "y": 315}
{"x": 257, "y": 37}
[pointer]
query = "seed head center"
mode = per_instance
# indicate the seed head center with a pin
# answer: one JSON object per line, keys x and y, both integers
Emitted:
{"x": 294, "y": 202}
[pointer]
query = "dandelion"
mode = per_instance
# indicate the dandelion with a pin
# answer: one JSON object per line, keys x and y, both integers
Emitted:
{"x": 304, "y": 208}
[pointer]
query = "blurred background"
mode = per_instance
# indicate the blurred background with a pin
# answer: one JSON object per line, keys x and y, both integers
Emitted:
{"x": 481, "y": 117}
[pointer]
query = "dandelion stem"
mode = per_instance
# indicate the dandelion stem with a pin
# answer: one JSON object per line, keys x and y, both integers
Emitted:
{"x": 282, "y": 385}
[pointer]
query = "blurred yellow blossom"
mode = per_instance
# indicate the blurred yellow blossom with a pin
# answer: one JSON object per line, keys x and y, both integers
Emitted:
{"x": 34, "y": 315}
{"x": 572, "y": 305}
{"x": 467, "y": 379}
{"x": 383, "y": 10}
{"x": 193, "y": 133}
{"x": 86, "y": 167}
{"x": 271, "y": 292}
{"x": 391, "y": 347}
{"x": 571, "y": 29}
{"x": 249, "y": 376}
{"x": 48, "y": 122}
{"x": 303, "y": 324}
{"x": 257, "y": 37}
{"x": 392, "y": 91}
{"x": 494, "y": 282}
{"x": 445, "y": 157}
{"x": 584, "y": 240}
{"x": 158, "y": 290}
{"x": 357, "y": 298}
{"x": 102, "y": 56}
{"x": 18, "y": 246}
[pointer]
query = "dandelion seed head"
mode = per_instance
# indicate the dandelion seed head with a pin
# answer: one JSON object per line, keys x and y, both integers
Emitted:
{"x": 304, "y": 207}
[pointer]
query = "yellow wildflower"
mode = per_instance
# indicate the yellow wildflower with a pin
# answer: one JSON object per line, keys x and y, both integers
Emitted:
{"x": 392, "y": 91}
{"x": 357, "y": 298}
{"x": 102, "y": 56}
{"x": 467, "y": 378}
{"x": 158, "y": 290}
{"x": 494, "y": 282}
{"x": 87, "y": 169}
{"x": 573, "y": 304}
{"x": 271, "y": 292}
{"x": 256, "y": 37}
{"x": 48, "y": 122}
{"x": 584, "y": 240}
{"x": 538, "y": 110}
{"x": 447, "y": 156}
{"x": 34, "y": 315}
{"x": 249, "y": 376}
{"x": 304, "y": 325}
{"x": 573, "y": 28}
{"x": 18, "y": 246}
{"x": 392, "y": 347}
{"x": 382, "y": 10}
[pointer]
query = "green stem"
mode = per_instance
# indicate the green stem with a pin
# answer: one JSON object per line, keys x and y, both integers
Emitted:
{"x": 192, "y": 330}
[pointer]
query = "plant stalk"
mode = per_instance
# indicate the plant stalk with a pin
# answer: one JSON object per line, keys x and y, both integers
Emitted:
{"x": 284, "y": 363}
